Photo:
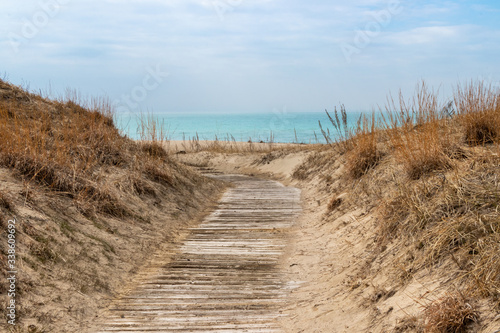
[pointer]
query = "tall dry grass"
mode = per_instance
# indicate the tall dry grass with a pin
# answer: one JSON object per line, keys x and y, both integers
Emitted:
{"x": 66, "y": 145}
{"x": 153, "y": 135}
{"x": 364, "y": 154}
{"x": 478, "y": 107}
{"x": 419, "y": 132}
{"x": 358, "y": 142}
{"x": 438, "y": 196}
{"x": 449, "y": 208}
{"x": 451, "y": 313}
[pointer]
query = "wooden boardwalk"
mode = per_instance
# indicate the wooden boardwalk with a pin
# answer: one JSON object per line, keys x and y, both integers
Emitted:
{"x": 224, "y": 277}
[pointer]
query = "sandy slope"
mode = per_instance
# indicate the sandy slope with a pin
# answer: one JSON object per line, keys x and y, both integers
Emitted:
{"x": 94, "y": 265}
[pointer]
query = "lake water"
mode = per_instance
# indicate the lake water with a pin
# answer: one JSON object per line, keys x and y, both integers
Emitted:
{"x": 299, "y": 127}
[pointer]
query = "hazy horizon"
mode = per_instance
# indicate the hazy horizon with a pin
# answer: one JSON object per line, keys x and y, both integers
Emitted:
{"x": 238, "y": 56}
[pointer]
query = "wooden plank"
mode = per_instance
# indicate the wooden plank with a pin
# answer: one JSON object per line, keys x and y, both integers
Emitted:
{"x": 224, "y": 276}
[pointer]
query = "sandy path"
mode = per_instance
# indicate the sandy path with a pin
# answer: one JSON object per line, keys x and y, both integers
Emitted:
{"x": 224, "y": 276}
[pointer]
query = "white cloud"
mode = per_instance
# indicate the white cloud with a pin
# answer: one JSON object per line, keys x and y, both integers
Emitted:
{"x": 258, "y": 46}
{"x": 428, "y": 35}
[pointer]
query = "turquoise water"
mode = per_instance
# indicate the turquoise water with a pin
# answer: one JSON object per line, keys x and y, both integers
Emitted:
{"x": 288, "y": 127}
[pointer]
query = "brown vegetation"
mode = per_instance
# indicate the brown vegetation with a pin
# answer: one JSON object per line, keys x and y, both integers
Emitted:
{"x": 478, "y": 107}
{"x": 451, "y": 313}
{"x": 430, "y": 174}
{"x": 419, "y": 133}
{"x": 91, "y": 204}
{"x": 358, "y": 143}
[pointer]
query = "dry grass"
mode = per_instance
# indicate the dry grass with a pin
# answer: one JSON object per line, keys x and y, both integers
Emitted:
{"x": 419, "y": 132}
{"x": 154, "y": 149}
{"x": 153, "y": 135}
{"x": 58, "y": 145}
{"x": 158, "y": 173}
{"x": 451, "y": 216}
{"x": 364, "y": 154}
{"x": 229, "y": 145}
{"x": 342, "y": 141}
{"x": 94, "y": 203}
{"x": 431, "y": 170}
{"x": 448, "y": 211}
{"x": 66, "y": 147}
{"x": 449, "y": 314}
{"x": 315, "y": 162}
{"x": 478, "y": 109}
{"x": 359, "y": 143}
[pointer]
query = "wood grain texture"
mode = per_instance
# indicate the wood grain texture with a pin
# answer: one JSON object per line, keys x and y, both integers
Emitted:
{"x": 224, "y": 277}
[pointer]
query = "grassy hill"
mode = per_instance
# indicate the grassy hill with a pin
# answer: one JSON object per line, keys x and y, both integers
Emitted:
{"x": 428, "y": 176}
{"x": 91, "y": 206}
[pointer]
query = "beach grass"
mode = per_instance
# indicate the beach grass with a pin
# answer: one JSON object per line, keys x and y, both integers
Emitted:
{"x": 92, "y": 204}
{"x": 65, "y": 144}
{"x": 429, "y": 167}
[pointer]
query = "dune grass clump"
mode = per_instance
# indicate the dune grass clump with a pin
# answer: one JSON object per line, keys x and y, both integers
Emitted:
{"x": 59, "y": 145}
{"x": 453, "y": 216}
{"x": 451, "y": 313}
{"x": 364, "y": 154}
{"x": 68, "y": 148}
{"x": 419, "y": 132}
{"x": 154, "y": 149}
{"x": 359, "y": 142}
{"x": 479, "y": 113}
{"x": 342, "y": 140}
{"x": 153, "y": 136}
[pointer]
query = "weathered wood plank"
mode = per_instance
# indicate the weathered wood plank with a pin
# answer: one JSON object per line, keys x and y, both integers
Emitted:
{"x": 224, "y": 277}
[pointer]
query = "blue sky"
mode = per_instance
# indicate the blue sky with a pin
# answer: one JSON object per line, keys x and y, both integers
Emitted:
{"x": 242, "y": 55}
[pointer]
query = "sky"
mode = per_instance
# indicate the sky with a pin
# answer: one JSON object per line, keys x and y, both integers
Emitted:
{"x": 247, "y": 56}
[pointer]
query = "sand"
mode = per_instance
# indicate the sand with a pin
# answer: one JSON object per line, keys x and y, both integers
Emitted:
{"x": 179, "y": 146}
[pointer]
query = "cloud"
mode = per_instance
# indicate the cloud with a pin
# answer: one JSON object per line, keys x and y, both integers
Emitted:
{"x": 277, "y": 51}
{"x": 428, "y": 35}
